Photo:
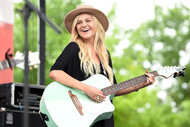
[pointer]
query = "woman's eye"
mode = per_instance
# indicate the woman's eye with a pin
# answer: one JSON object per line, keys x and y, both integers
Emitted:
{"x": 78, "y": 22}
{"x": 88, "y": 20}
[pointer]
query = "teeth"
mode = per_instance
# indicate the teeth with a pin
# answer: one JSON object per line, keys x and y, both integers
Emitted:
{"x": 84, "y": 30}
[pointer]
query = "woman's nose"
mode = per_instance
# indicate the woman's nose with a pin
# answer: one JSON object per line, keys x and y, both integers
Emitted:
{"x": 84, "y": 24}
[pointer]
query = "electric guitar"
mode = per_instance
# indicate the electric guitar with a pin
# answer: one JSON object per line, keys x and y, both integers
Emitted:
{"x": 63, "y": 106}
{"x": 18, "y": 61}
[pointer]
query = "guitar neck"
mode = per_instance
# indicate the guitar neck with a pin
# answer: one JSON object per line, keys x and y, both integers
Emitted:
{"x": 133, "y": 85}
{"x": 5, "y": 64}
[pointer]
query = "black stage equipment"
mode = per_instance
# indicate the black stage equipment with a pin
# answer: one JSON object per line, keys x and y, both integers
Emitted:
{"x": 14, "y": 118}
{"x": 12, "y": 96}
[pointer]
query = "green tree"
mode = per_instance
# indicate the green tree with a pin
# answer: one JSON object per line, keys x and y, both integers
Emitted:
{"x": 161, "y": 41}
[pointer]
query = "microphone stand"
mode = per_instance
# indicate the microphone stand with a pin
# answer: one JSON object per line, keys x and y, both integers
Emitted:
{"x": 26, "y": 11}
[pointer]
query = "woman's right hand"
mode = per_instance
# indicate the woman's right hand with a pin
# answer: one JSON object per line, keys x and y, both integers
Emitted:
{"x": 94, "y": 93}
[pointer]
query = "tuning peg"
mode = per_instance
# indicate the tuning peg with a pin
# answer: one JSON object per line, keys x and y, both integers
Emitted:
{"x": 181, "y": 68}
{"x": 175, "y": 75}
{"x": 184, "y": 68}
{"x": 180, "y": 73}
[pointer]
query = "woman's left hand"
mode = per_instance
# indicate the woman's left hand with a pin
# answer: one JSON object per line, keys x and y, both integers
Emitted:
{"x": 150, "y": 78}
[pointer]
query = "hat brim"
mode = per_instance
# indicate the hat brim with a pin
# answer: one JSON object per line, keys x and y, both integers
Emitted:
{"x": 68, "y": 21}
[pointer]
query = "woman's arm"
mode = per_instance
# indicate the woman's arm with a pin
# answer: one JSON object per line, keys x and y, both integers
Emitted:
{"x": 63, "y": 78}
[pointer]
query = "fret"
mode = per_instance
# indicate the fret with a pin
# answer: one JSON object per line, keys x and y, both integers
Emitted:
{"x": 138, "y": 80}
{"x": 123, "y": 85}
{"x": 135, "y": 80}
{"x": 7, "y": 63}
{"x": 141, "y": 79}
{"x": 116, "y": 87}
{"x": 1, "y": 66}
{"x": 131, "y": 82}
{"x": 4, "y": 64}
{"x": 109, "y": 91}
{"x": 12, "y": 62}
{"x": 119, "y": 85}
{"x": 104, "y": 91}
{"x": 113, "y": 89}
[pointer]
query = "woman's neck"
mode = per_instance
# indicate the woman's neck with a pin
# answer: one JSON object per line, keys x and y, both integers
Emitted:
{"x": 89, "y": 41}
{"x": 90, "y": 44}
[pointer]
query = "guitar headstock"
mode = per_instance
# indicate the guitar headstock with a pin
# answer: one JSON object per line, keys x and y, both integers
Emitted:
{"x": 169, "y": 71}
{"x": 33, "y": 59}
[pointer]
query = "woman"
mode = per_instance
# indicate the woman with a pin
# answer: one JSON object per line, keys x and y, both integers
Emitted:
{"x": 86, "y": 55}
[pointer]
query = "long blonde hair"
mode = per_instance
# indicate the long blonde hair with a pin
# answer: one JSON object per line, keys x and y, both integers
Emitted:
{"x": 87, "y": 64}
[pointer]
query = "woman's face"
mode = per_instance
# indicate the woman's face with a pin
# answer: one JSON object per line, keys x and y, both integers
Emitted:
{"x": 85, "y": 27}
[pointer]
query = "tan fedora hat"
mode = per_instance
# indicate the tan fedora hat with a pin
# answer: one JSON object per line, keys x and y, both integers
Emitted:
{"x": 68, "y": 21}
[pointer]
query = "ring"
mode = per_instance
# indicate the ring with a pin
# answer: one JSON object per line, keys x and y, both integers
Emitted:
{"x": 98, "y": 98}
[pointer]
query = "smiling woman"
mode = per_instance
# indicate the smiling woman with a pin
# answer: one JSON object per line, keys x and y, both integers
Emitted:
{"x": 85, "y": 55}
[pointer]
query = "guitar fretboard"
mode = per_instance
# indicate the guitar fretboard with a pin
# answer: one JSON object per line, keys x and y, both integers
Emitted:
{"x": 5, "y": 64}
{"x": 120, "y": 86}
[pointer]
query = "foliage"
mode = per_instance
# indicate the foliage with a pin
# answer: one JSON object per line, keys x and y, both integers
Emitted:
{"x": 158, "y": 41}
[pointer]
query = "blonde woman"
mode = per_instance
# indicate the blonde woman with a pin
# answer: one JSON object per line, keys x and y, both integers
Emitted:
{"x": 86, "y": 55}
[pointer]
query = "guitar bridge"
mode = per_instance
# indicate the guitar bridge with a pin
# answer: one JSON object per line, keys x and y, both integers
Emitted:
{"x": 76, "y": 102}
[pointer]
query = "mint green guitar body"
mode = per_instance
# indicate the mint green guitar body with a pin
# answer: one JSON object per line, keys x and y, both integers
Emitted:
{"x": 56, "y": 103}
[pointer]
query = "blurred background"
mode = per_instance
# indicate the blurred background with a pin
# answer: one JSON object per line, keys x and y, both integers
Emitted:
{"x": 142, "y": 34}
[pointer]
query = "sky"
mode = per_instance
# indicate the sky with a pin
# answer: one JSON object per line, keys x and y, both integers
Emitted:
{"x": 131, "y": 13}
